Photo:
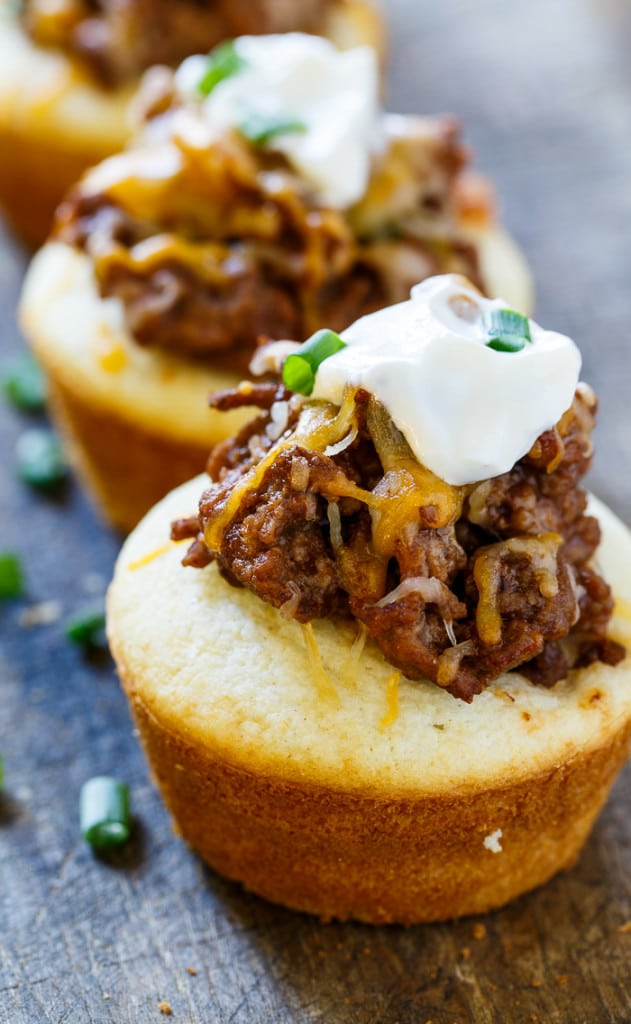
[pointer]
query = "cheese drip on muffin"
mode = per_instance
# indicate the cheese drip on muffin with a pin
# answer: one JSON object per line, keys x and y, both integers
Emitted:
{"x": 429, "y": 487}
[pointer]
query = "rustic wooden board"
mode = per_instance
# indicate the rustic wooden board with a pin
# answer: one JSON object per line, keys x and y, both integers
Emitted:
{"x": 544, "y": 89}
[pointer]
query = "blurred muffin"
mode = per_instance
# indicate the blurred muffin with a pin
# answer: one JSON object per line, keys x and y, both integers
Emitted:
{"x": 68, "y": 70}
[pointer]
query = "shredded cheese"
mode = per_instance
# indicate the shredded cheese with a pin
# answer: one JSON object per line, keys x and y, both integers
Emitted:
{"x": 151, "y": 555}
{"x": 392, "y": 697}
{"x": 620, "y": 623}
{"x": 112, "y": 358}
{"x": 542, "y": 552}
{"x": 558, "y": 458}
{"x": 317, "y": 427}
{"x": 350, "y": 670}
{"x": 623, "y": 609}
{"x": 326, "y": 689}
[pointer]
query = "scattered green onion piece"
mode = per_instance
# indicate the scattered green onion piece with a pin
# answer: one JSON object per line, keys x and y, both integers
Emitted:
{"x": 506, "y": 344}
{"x": 260, "y": 128}
{"x": 40, "y": 460}
{"x": 223, "y": 62}
{"x": 87, "y": 629}
{"x": 23, "y": 384}
{"x": 11, "y": 577}
{"x": 300, "y": 367}
{"x": 104, "y": 812}
{"x": 508, "y": 330}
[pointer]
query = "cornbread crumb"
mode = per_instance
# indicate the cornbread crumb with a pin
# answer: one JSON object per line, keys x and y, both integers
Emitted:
{"x": 479, "y": 931}
{"x": 42, "y": 614}
{"x": 191, "y": 971}
{"x": 492, "y": 841}
{"x": 165, "y": 1008}
{"x": 624, "y": 928}
{"x": 465, "y": 952}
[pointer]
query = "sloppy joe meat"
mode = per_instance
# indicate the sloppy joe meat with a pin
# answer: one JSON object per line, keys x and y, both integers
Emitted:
{"x": 236, "y": 247}
{"x": 118, "y": 39}
{"x": 506, "y": 582}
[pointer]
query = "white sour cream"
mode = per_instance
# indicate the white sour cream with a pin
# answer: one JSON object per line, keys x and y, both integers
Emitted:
{"x": 303, "y": 78}
{"x": 467, "y": 411}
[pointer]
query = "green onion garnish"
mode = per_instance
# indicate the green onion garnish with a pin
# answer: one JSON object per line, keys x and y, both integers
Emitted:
{"x": 87, "y": 628}
{"x": 104, "y": 812}
{"x": 23, "y": 384}
{"x": 11, "y": 577}
{"x": 40, "y": 460}
{"x": 508, "y": 331}
{"x": 260, "y": 128}
{"x": 223, "y": 62}
{"x": 300, "y": 367}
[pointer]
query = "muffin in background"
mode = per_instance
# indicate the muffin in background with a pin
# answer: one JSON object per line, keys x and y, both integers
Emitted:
{"x": 69, "y": 70}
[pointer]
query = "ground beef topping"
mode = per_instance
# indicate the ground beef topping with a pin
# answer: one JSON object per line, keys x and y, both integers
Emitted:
{"x": 325, "y": 512}
{"x": 227, "y": 244}
{"x": 118, "y": 39}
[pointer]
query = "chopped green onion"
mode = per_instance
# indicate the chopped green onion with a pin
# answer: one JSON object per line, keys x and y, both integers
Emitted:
{"x": 40, "y": 460}
{"x": 506, "y": 344}
{"x": 11, "y": 577}
{"x": 23, "y": 384}
{"x": 300, "y": 367}
{"x": 260, "y": 128}
{"x": 508, "y": 330}
{"x": 104, "y": 812}
{"x": 87, "y": 629}
{"x": 223, "y": 62}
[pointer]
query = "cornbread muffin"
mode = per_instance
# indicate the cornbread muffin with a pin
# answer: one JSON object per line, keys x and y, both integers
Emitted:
{"x": 68, "y": 72}
{"x": 140, "y": 417}
{"x": 175, "y": 258}
{"x": 399, "y": 688}
{"x": 344, "y": 794}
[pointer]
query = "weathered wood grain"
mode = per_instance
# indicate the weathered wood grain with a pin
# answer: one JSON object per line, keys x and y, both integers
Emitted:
{"x": 544, "y": 89}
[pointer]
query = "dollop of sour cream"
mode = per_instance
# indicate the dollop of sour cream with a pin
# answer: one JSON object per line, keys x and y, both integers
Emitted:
{"x": 304, "y": 79}
{"x": 467, "y": 411}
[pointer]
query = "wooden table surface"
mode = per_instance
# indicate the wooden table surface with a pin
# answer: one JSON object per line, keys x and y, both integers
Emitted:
{"x": 544, "y": 89}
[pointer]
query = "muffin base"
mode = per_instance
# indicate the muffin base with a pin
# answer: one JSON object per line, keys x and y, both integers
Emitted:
{"x": 137, "y": 421}
{"x": 54, "y": 124}
{"x": 324, "y": 803}
{"x": 376, "y": 859}
{"x": 125, "y": 466}
{"x": 30, "y": 198}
